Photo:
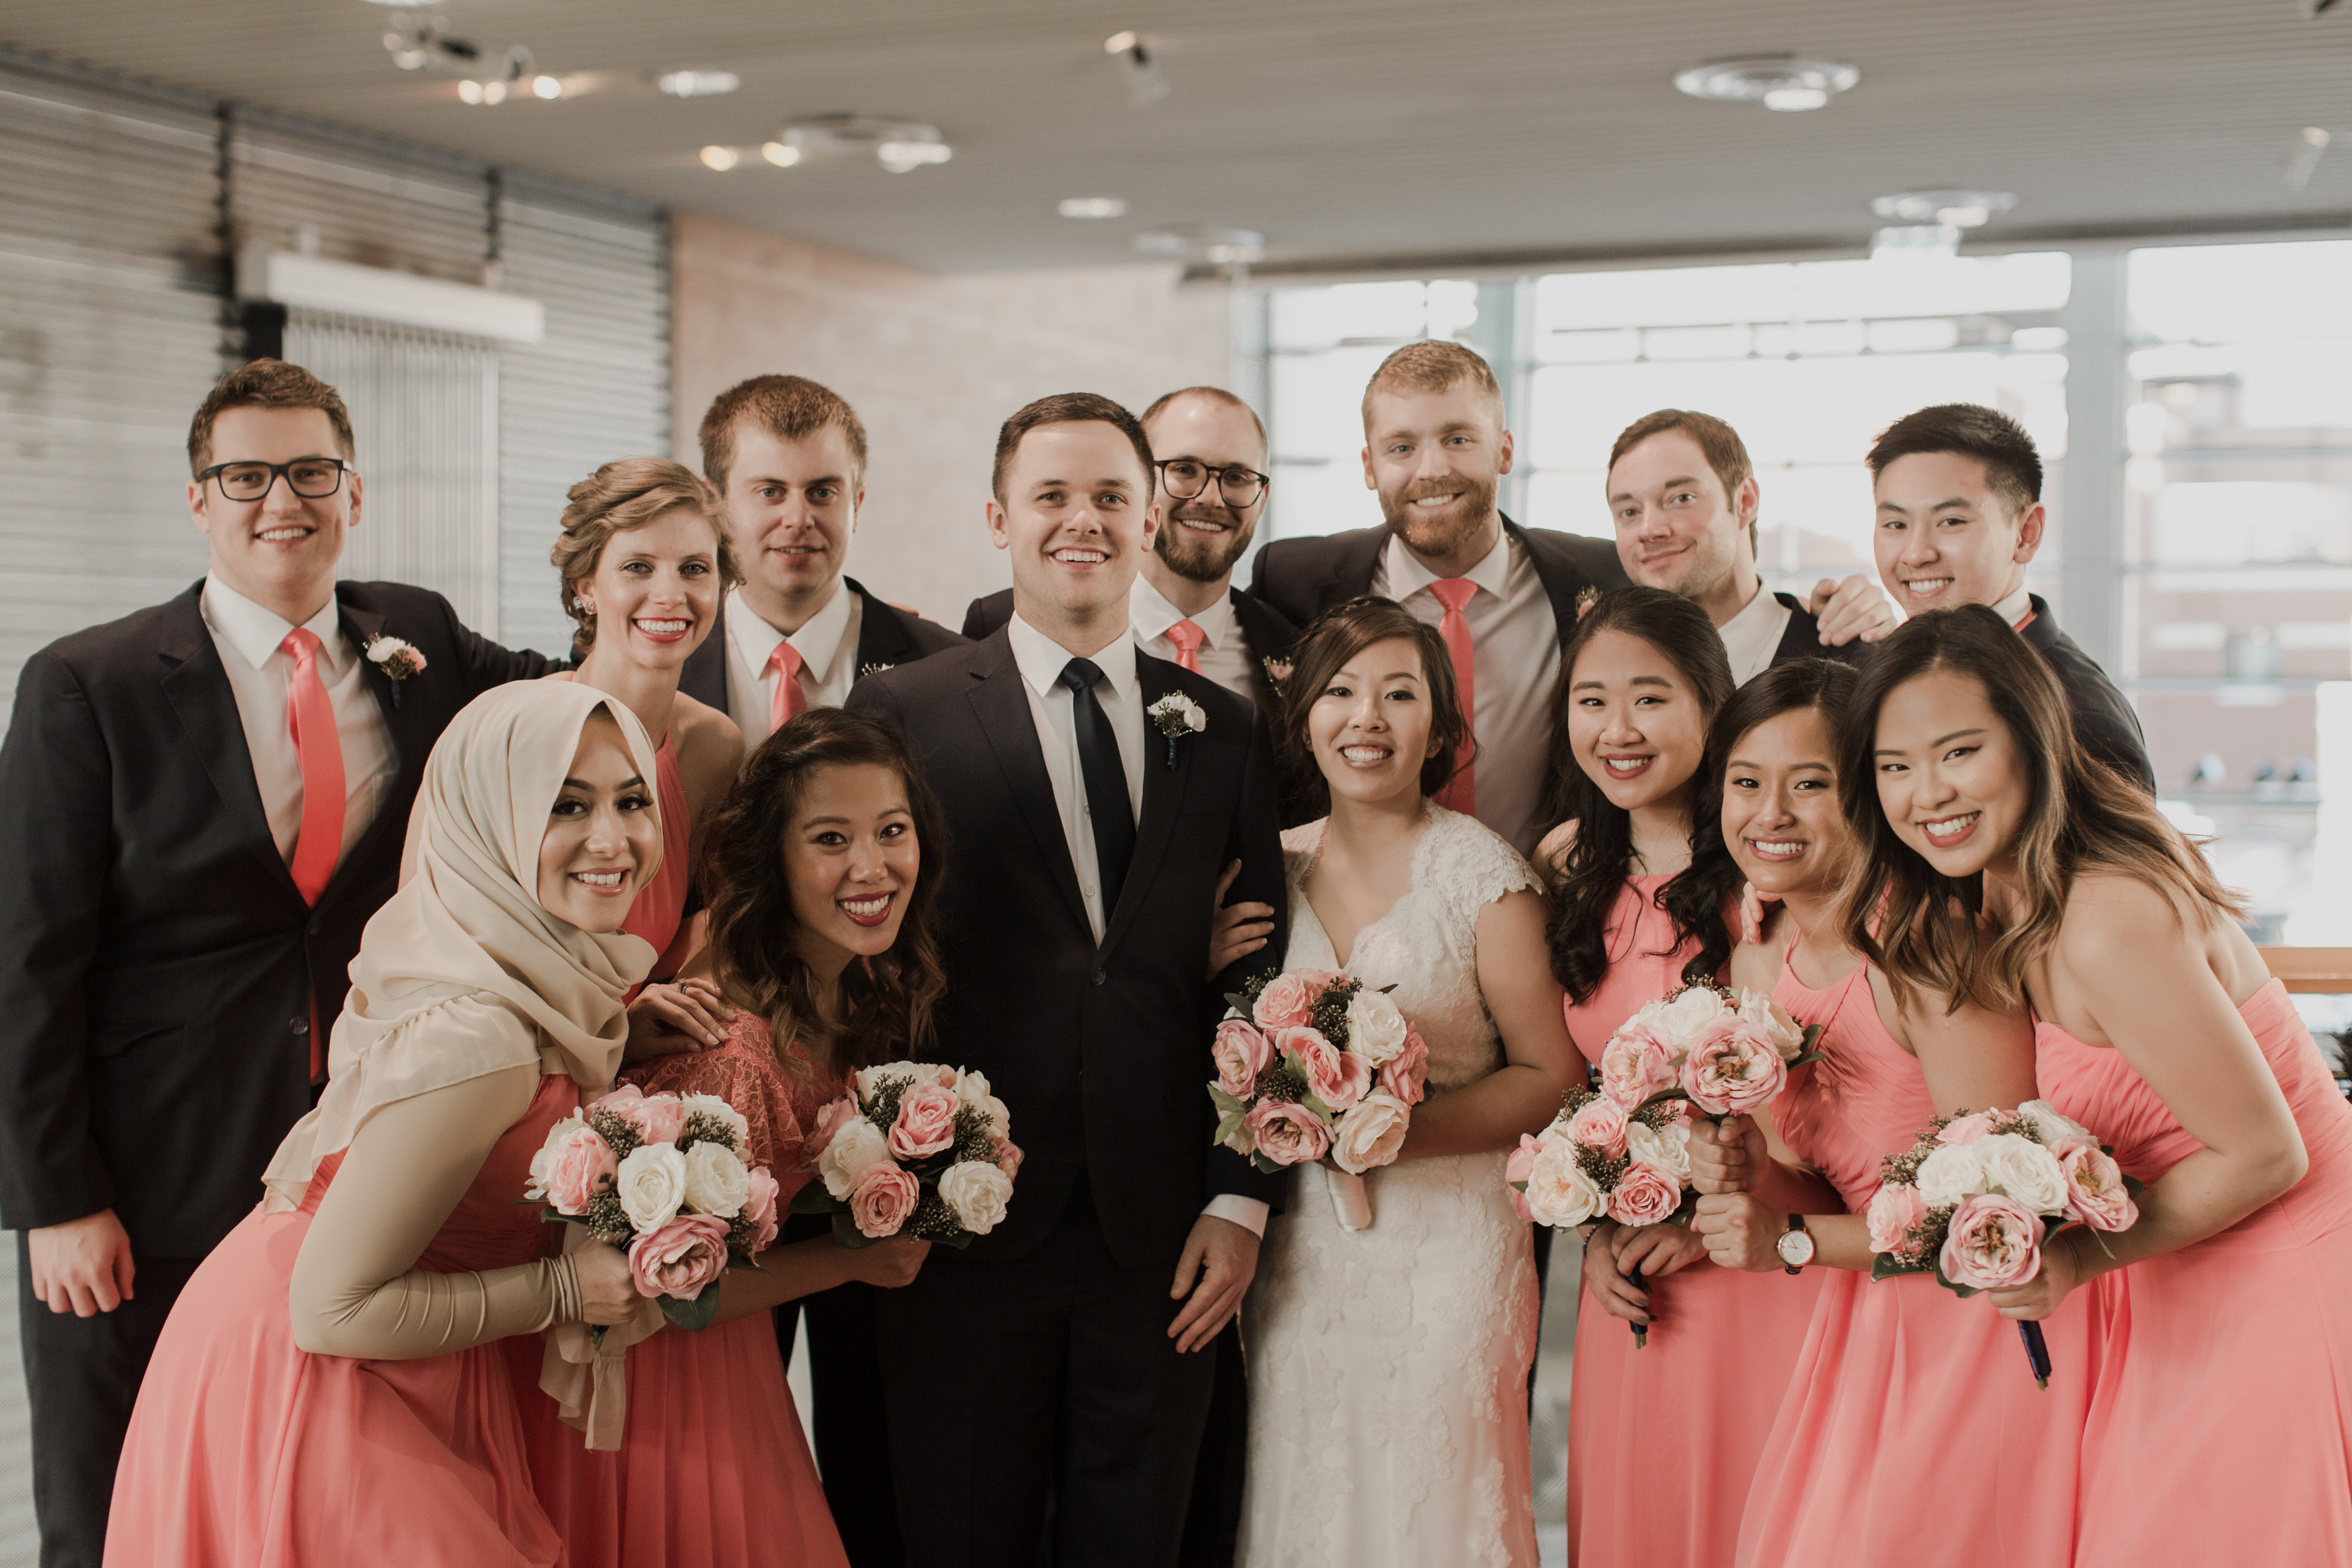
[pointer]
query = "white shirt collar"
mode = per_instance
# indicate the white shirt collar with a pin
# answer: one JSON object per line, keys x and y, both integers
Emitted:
{"x": 256, "y": 631}
{"x": 1152, "y": 614}
{"x": 2015, "y": 607}
{"x": 1408, "y": 576}
{"x": 817, "y": 643}
{"x": 1042, "y": 660}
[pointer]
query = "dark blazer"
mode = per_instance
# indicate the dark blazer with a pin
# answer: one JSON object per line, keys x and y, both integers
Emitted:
{"x": 886, "y": 636}
{"x": 1267, "y": 633}
{"x": 157, "y": 967}
{"x": 1801, "y": 639}
{"x": 1302, "y": 577}
{"x": 1100, "y": 1051}
{"x": 2104, "y": 721}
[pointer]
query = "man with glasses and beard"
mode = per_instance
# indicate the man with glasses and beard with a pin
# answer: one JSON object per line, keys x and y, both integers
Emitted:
{"x": 1211, "y": 454}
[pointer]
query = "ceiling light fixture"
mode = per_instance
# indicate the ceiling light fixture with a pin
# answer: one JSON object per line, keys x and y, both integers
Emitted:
{"x": 1780, "y": 82}
{"x": 719, "y": 159}
{"x": 1204, "y": 242}
{"x": 546, "y": 87}
{"x": 698, "y": 84}
{"x": 781, "y": 156}
{"x": 1120, "y": 43}
{"x": 1093, "y": 207}
{"x": 2304, "y": 154}
{"x": 425, "y": 43}
{"x": 900, "y": 146}
{"x": 1929, "y": 224}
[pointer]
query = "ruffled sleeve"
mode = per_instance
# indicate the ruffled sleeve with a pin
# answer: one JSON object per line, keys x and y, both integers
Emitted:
{"x": 1472, "y": 866}
{"x": 743, "y": 1071}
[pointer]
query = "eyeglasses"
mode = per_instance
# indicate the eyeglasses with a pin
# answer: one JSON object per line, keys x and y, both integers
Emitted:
{"x": 1184, "y": 479}
{"x": 312, "y": 478}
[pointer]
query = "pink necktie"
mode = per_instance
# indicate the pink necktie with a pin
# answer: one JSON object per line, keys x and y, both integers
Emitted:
{"x": 786, "y": 663}
{"x": 318, "y": 751}
{"x": 1187, "y": 638}
{"x": 1460, "y": 793}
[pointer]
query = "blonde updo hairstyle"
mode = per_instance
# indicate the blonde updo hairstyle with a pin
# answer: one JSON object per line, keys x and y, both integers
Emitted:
{"x": 623, "y": 496}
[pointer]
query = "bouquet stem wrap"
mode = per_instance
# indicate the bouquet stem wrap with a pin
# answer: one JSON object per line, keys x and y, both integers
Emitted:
{"x": 585, "y": 1372}
{"x": 1350, "y": 1199}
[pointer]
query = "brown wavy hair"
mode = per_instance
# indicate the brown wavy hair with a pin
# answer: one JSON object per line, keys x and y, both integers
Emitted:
{"x": 886, "y": 1003}
{"x": 1925, "y": 930}
{"x": 624, "y": 495}
{"x": 1331, "y": 640}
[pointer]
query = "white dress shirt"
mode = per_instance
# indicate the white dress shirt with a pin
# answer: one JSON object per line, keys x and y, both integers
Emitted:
{"x": 1052, "y": 707}
{"x": 828, "y": 650}
{"x": 2015, "y": 607}
{"x": 1515, "y": 653}
{"x": 1751, "y": 637}
{"x": 259, "y": 672}
{"x": 1224, "y": 652}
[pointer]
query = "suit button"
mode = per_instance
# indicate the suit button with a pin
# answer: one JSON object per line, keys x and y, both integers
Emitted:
{"x": 316, "y": 929}
{"x": 298, "y": 1026}
{"x": 1097, "y": 977}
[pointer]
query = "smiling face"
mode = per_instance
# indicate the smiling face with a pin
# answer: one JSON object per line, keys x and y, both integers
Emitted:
{"x": 601, "y": 829}
{"x": 794, "y": 505}
{"x": 279, "y": 552}
{"x": 1780, "y": 805}
{"x": 1076, "y": 517}
{"x": 851, "y": 860}
{"x": 1635, "y": 723}
{"x": 1679, "y": 529}
{"x": 656, "y": 591}
{"x": 1950, "y": 777}
{"x": 1944, "y": 539}
{"x": 1200, "y": 538}
{"x": 1370, "y": 727}
{"x": 1437, "y": 459}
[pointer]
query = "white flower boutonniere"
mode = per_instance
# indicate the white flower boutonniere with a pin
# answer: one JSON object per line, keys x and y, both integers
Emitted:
{"x": 874, "y": 668}
{"x": 1177, "y": 716}
{"x": 398, "y": 660}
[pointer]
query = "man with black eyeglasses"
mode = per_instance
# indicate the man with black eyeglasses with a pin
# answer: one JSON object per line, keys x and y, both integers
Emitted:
{"x": 201, "y": 805}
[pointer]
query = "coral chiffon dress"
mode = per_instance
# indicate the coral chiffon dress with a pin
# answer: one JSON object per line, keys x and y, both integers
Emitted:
{"x": 1663, "y": 1441}
{"x": 2221, "y": 1430}
{"x": 1908, "y": 1402}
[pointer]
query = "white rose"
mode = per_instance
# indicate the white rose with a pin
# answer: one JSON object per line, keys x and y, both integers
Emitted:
{"x": 1684, "y": 1019}
{"x": 1559, "y": 1192}
{"x": 1668, "y": 1150}
{"x": 716, "y": 1182}
{"x": 2024, "y": 1170}
{"x": 542, "y": 1164}
{"x": 711, "y": 1106}
{"x": 652, "y": 1185}
{"x": 1787, "y": 1035}
{"x": 1369, "y": 1136}
{"x": 854, "y": 1150}
{"x": 1953, "y": 1172}
{"x": 1196, "y": 717}
{"x": 2056, "y": 1129}
{"x": 971, "y": 1089}
{"x": 976, "y": 1192}
{"x": 1376, "y": 1031}
{"x": 871, "y": 1079}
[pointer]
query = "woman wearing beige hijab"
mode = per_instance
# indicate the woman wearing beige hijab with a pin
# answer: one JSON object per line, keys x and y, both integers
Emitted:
{"x": 328, "y": 1387}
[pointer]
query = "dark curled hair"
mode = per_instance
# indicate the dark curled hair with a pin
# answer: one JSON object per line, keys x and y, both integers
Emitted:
{"x": 1331, "y": 640}
{"x": 1586, "y": 880}
{"x": 886, "y": 1005}
{"x": 1821, "y": 685}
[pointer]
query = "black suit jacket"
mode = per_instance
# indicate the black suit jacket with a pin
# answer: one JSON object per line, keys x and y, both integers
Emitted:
{"x": 1100, "y": 1051}
{"x": 157, "y": 965}
{"x": 2104, "y": 722}
{"x": 1801, "y": 639}
{"x": 886, "y": 636}
{"x": 1302, "y": 577}
{"x": 1267, "y": 633}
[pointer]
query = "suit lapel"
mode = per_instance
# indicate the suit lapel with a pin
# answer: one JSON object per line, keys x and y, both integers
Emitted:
{"x": 1001, "y": 703}
{"x": 198, "y": 687}
{"x": 882, "y": 642}
{"x": 705, "y": 677}
{"x": 1352, "y": 568}
{"x": 407, "y": 724}
{"x": 1561, "y": 584}
{"x": 1163, "y": 796}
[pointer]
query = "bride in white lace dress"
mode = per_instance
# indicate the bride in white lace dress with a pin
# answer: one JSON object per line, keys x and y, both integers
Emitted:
{"x": 1388, "y": 1366}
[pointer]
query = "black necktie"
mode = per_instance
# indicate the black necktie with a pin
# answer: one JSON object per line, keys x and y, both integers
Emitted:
{"x": 1105, "y": 779}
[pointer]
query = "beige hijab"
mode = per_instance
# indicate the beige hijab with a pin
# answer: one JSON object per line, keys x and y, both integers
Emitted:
{"x": 462, "y": 973}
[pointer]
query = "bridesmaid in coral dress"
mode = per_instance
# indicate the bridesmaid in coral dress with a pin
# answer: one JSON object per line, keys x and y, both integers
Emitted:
{"x": 2220, "y": 1425}
{"x": 1901, "y": 1386}
{"x": 330, "y": 1385}
{"x": 1662, "y": 1440}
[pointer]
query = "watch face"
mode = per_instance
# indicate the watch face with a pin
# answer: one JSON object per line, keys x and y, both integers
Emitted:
{"x": 1796, "y": 1248}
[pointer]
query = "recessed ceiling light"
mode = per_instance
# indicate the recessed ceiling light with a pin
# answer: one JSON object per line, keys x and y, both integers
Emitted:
{"x": 781, "y": 156}
{"x": 1958, "y": 209}
{"x": 900, "y": 146}
{"x": 1120, "y": 42}
{"x": 1204, "y": 242}
{"x": 720, "y": 159}
{"x": 1093, "y": 207}
{"x": 1778, "y": 82}
{"x": 698, "y": 84}
{"x": 546, "y": 87}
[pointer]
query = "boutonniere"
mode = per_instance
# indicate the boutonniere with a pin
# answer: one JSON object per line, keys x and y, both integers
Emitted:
{"x": 397, "y": 659}
{"x": 1586, "y": 598}
{"x": 1177, "y": 716}
{"x": 875, "y": 668}
{"x": 1278, "y": 671}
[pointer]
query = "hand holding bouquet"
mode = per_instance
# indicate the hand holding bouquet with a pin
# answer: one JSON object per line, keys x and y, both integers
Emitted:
{"x": 662, "y": 1177}
{"x": 912, "y": 1146}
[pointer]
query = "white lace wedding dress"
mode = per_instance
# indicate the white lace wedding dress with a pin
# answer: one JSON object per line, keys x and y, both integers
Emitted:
{"x": 1388, "y": 1367}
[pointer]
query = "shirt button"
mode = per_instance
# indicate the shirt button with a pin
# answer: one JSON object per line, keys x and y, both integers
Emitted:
{"x": 298, "y": 1026}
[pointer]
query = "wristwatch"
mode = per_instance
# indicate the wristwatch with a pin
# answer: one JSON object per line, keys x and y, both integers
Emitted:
{"x": 1795, "y": 1247}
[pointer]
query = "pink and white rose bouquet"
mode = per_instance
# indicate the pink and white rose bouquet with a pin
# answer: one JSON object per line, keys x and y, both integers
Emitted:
{"x": 1598, "y": 1160}
{"x": 913, "y": 1146}
{"x": 1725, "y": 1051}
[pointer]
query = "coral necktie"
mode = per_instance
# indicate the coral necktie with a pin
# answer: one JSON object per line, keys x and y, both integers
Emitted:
{"x": 1460, "y": 792}
{"x": 1187, "y": 638}
{"x": 318, "y": 751}
{"x": 786, "y": 663}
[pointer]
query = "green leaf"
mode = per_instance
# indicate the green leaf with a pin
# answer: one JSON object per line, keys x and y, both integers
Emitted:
{"x": 694, "y": 1315}
{"x": 1316, "y": 1105}
{"x": 1227, "y": 1126}
{"x": 812, "y": 1198}
{"x": 1887, "y": 1266}
{"x": 1225, "y": 1104}
{"x": 1266, "y": 1166}
{"x": 1963, "y": 1291}
{"x": 1661, "y": 1097}
{"x": 846, "y": 1234}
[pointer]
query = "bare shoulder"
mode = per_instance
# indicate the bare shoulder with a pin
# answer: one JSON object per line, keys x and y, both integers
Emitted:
{"x": 710, "y": 747}
{"x": 1551, "y": 854}
{"x": 2114, "y": 921}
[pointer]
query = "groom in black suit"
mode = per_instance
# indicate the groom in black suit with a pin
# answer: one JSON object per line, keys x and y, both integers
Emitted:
{"x": 181, "y": 892}
{"x": 1057, "y": 1359}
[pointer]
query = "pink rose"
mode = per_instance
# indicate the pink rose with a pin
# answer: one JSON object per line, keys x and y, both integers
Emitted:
{"x": 1994, "y": 1241}
{"x": 658, "y": 1118}
{"x": 1600, "y": 1124}
{"x": 1733, "y": 1069}
{"x": 1240, "y": 1053}
{"x": 1635, "y": 1065}
{"x": 1645, "y": 1194}
{"x": 1404, "y": 1076}
{"x": 1338, "y": 1078}
{"x": 679, "y": 1257}
{"x": 583, "y": 1165}
{"x": 2095, "y": 1193}
{"x": 883, "y": 1199}
{"x": 1288, "y": 1001}
{"x": 759, "y": 1209}
{"x": 1008, "y": 1158}
{"x": 835, "y": 1115}
{"x": 1965, "y": 1129}
{"x": 1518, "y": 1168}
{"x": 1894, "y": 1210}
{"x": 1287, "y": 1133}
{"x": 925, "y": 1123}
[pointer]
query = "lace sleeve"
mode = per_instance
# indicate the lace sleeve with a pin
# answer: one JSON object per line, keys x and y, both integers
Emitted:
{"x": 750, "y": 1080}
{"x": 1472, "y": 866}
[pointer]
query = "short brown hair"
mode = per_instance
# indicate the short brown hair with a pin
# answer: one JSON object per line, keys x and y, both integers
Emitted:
{"x": 790, "y": 408}
{"x": 625, "y": 494}
{"x": 1215, "y": 395}
{"x": 1718, "y": 442}
{"x": 1337, "y": 635}
{"x": 1069, "y": 408}
{"x": 1432, "y": 365}
{"x": 2013, "y": 467}
{"x": 268, "y": 383}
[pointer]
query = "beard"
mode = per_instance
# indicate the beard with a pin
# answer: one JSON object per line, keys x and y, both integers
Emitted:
{"x": 1203, "y": 560}
{"x": 1442, "y": 533}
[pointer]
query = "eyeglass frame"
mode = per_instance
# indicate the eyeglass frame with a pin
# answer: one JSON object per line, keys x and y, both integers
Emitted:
{"x": 1216, "y": 472}
{"x": 276, "y": 471}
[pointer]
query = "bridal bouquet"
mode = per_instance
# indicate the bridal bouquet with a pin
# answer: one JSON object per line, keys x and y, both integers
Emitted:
{"x": 662, "y": 1177}
{"x": 912, "y": 1146}
{"x": 1970, "y": 1200}
{"x": 1725, "y": 1052}
{"x": 1312, "y": 1064}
